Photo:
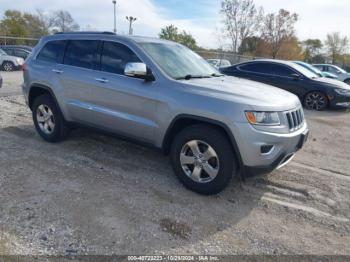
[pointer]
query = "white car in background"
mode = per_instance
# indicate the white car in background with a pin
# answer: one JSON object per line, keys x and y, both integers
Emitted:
{"x": 10, "y": 63}
{"x": 336, "y": 70}
{"x": 218, "y": 63}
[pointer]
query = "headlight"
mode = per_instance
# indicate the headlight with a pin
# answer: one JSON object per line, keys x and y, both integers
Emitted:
{"x": 19, "y": 61}
{"x": 263, "y": 118}
{"x": 342, "y": 91}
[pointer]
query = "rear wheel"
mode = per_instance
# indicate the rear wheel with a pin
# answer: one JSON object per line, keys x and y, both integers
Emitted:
{"x": 203, "y": 159}
{"x": 316, "y": 101}
{"x": 48, "y": 119}
{"x": 8, "y": 66}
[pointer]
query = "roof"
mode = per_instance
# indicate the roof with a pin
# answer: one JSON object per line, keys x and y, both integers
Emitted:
{"x": 97, "y": 34}
{"x": 276, "y": 61}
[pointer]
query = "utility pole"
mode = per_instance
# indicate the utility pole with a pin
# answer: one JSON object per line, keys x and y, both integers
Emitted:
{"x": 131, "y": 20}
{"x": 115, "y": 17}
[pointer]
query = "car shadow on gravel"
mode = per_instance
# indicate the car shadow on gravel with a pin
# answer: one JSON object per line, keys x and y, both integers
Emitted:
{"x": 106, "y": 196}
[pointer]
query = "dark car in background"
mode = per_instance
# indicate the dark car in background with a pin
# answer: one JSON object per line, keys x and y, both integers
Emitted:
{"x": 315, "y": 92}
{"x": 17, "y": 50}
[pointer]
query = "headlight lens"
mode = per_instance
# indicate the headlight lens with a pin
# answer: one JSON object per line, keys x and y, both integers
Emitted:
{"x": 19, "y": 61}
{"x": 263, "y": 118}
{"x": 342, "y": 91}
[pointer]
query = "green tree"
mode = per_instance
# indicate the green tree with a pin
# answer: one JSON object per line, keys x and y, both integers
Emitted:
{"x": 249, "y": 45}
{"x": 312, "y": 49}
{"x": 336, "y": 45}
{"x": 13, "y": 24}
{"x": 171, "y": 33}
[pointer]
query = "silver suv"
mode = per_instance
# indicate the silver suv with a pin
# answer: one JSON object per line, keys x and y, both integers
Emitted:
{"x": 163, "y": 95}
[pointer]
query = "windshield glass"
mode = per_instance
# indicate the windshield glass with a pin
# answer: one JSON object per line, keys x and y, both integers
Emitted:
{"x": 311, "y": 67}
{"x": 2, "y": 52}
{"x": 178, "y": 61}
{"x": 340, "y": 69}
{"x": 305, "y": 72}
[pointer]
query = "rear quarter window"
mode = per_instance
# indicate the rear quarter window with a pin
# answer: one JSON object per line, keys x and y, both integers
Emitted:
{"x": 52, "y": 52}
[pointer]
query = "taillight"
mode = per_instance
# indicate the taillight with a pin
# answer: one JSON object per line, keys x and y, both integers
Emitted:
{"x": 24, "y": 67}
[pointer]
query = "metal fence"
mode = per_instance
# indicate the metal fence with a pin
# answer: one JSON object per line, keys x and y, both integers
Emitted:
{"x": 10, "y": 40}
{"x": 232, "y": 57}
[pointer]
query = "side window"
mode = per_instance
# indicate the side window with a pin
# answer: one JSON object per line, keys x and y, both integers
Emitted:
{"x": 52, "y": 52}
{"x": 115, "y": 56}
{"x": 280, "y": 70}
{"x": 253, "y": 67}
{"x": 21, "y": 53}
{"x": 82, "y": 53}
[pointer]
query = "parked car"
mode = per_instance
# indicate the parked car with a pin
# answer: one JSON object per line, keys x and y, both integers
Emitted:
{"x": 18, "y": 51}
{"x": 336, "y": 70}
{"x": 162, "y": 94}
{"x": 315, "y": 92}
{"x": 316, "y": 70}
{"x": 217, "y": 63}
{"x": 0, "y": 81}
{"x": 10, "y": 63}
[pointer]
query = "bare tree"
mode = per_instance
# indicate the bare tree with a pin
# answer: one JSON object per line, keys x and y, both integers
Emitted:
{"x": 62, "y": 21}
{"x": 241, "y": 20}
{"x": 278, "y": 28}
{"x": 336, "y": 45}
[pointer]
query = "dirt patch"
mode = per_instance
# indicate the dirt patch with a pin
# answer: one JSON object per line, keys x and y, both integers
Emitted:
{"x": 175, "y": 228}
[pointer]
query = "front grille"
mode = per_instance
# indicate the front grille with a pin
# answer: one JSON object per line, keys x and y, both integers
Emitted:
{"x": 295, "y": 119}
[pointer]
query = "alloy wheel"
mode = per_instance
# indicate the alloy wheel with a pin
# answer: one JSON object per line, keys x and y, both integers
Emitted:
{"x": 316, "y": 101}
{"x": 45, "y": 119}
{"x": 199, "y": 161}
{"x": 8, "y": 67}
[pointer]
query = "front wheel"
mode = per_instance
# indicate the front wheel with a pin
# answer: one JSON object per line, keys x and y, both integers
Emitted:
{"x": 203, "y": 159}
{"x": 316, "y": 101}
{"x": 8, "y": 66}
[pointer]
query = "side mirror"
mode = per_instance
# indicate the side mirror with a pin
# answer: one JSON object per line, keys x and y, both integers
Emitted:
{"x": 338, "y": 72}
{"x": 138, "y": 70}
{"x": 296, "y": 77}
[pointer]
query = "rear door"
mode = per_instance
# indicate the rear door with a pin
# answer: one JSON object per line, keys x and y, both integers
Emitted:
{"x": 123, "y": 104}
{"x": 76, "y": 78}
{"x": 258, "y": 71}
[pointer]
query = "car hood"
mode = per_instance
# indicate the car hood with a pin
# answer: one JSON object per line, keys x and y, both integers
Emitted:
{"x": 254, "y": 94}
{"x": 333, "y": 83}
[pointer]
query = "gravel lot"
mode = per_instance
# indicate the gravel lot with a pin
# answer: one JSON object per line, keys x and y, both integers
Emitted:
{"x": 93, "y": 194}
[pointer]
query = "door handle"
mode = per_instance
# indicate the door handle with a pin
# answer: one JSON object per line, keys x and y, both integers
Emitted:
{"x": 102, "y": 80}
{"x": 57, "y": 71}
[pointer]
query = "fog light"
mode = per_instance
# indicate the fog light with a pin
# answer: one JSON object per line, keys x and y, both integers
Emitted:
{"x": 266, "y": 149}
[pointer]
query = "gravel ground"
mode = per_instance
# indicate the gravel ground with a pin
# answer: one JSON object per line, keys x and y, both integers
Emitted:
{"x": 93, "y": 194}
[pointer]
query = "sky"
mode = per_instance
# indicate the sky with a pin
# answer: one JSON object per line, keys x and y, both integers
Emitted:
{"x": 199, "y": 17}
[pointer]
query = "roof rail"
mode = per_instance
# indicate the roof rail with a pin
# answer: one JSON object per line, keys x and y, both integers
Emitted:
{"x": 86, "y": 32}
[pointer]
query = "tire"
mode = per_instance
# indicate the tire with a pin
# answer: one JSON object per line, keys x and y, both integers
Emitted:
{"x": 48, "y": 119}
{"x": 210, "y": 142}
{"x": 8, "y": 66}
{"x": 316, "y": 101}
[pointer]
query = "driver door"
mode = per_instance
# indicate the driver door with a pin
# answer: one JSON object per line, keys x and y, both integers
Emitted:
{"x": 122, "y": 104}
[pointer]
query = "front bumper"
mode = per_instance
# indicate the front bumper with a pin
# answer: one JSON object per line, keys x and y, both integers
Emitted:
{"x": 283, "y": 148}
{"x": 339, "y": 101}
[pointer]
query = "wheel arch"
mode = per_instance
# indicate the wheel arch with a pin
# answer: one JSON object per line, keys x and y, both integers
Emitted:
{"x": 184, "y": 120}
{"x": 36, "y": 90}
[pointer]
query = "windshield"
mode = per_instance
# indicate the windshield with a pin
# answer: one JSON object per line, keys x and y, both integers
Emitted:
{"x": 178, "y": 61}
{"x": 2, "y": 52}
{"x": 310, "y": 67}
{"x": 340, "y": 69}
{"x": 305, "y": 72}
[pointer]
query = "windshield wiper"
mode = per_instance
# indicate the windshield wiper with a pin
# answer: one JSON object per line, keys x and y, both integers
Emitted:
{"x": 188, "y": 77}
{"x": 217, "y": 75}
